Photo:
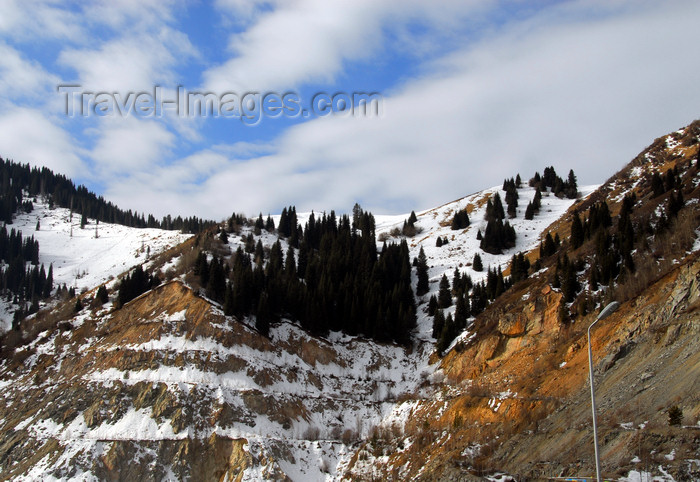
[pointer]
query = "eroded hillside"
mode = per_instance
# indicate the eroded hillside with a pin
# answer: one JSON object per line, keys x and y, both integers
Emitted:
{"x": 169, "y": 387}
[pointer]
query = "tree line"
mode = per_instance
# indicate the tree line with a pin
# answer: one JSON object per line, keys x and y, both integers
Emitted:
{"x": 17, "y": 179}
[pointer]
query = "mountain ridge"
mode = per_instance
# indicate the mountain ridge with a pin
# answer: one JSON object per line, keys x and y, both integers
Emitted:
{"x": 168, "y": 387}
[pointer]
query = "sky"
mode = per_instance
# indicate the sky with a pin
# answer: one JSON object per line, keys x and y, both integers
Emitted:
{"x": 467, "y": 93}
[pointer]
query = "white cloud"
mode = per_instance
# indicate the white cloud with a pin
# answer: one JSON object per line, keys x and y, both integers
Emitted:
{"x": 22, "y": 77}
{"x": 28, "y": 20}
{"x": 125, "y": 147}
{"x": 572, "y": 90}
{"x": 309, "y": 40}
{"x": 132, "y": 15}
{"x": 133, "y": 63}
{"x": 27, "y": 136}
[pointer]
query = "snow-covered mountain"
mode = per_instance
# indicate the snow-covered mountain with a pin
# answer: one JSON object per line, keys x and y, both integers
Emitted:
{"x": 300, "y": 403}
{"x": 84, "y": 258}
{"x": 167, "y": 387}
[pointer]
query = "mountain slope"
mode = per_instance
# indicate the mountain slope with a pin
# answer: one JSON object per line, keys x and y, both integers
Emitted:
{"x": 79, "y": 259}
{"x": 515, "y": 395}
{"x": 167, "y": 387}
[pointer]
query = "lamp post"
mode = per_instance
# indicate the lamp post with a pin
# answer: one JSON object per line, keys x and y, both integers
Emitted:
{"x": 607, "y": 311}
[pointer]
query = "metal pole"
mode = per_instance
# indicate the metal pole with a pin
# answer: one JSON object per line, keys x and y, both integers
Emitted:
{"x": 595, "y": 424}
{"x": 607, "y": 311}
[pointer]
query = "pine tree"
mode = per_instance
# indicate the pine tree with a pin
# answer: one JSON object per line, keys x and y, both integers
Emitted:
{"x": 477, "y": 265}
{"x": 657, "y": 184}
{"x": 537, "y": 200}
{"x": 444, "y": 295}
{"x": 460, "y": 220}
{"x": 269, "y": 224}
{"x": 422, "y": 272}
{"x": 438, "y": 242}
{"x": 530, "y": 211}
{"x": 438, "y": 323}
{"x": 448, "y": 333}
{"x": 259, "y": 225}
{"x": 432, "y": 305}
{"x": 571, "y": 185}
{"x": 48, "y": 285}
{"x": 576, "y": 232}
{"x": 461, "y": 313}
{"x": 263, "y": 315}
{"x": 494, "y": 209}
{"x": 102, "y": 296}
{"x": 290, "y": 268}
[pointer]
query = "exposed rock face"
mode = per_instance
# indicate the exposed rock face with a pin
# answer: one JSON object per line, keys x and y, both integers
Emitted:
{"x": 169, "y": 387}
{"x": 529, "y": 388}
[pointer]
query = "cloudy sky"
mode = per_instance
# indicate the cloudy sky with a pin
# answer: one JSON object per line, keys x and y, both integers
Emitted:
{"x": 472, "y": 91}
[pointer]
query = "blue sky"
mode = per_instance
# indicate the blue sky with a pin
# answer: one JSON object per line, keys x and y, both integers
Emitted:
{"x": 472, "y": 92}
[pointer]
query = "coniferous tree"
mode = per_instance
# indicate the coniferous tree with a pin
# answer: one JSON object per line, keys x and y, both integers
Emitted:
{"x": 494, "y": 209}
{"x": 497, "y": 237}
{"x": 461, "y": 312}
{"x": 571, "y": 185}
{"x": 669, "y": 180}
{"x": 438, "y": 242}
{"x": 675, "y": 203}
{"x": 269, "y": 224}
{"x": 48, "y": 285}
{"x": 537, "y": 200}
{"x": 422, "y": 272}
{"x": 263, "y": 315}
{"x": 102, "y": 296}
{"x": 657, "y": 184}
{"x": 576, "y": 232}
{"x": 444, "y": 295}
{"x": 259, "y": 225}
{"x": 448, "y": 333}
{"x": 569, "y": 281}
{"x": 438, "y": 323}
{"x": 460, "y": 220}
{"x": 530, "y": 211}
{"x": 519, "y": 267}
{"x": 432, "y": 305}
{"x": 290, "y": 268}
{"x": 477, "y": 265}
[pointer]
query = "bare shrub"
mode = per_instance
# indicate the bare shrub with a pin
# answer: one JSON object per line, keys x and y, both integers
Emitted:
{"x": 337, "y": 432}
{"x": 349, "y": 436}
{"x": 187, "y": 260}
{"x": 312, "y": 433}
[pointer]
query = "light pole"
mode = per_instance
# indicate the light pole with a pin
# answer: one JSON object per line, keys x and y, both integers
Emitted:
{"x": 607, "y": 311}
